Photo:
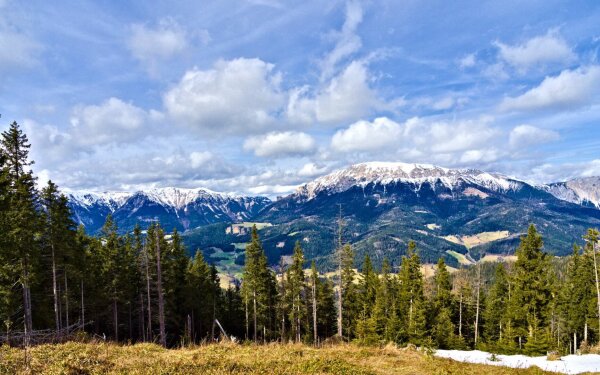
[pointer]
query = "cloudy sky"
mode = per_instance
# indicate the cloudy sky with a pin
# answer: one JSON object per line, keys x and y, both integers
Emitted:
{"x": 259, "y": 96}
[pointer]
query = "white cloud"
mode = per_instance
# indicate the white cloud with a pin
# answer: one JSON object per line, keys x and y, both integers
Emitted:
{"x": 347, "y": 97}
{"x": 468, "y": 61}
{"x": 570, "y": 89}
{"x": 367, "y": 136}
{"x": 540, "y": 50}
{"x": 525, "y": 135}
{"x": 112, "y": 121}
{"x": 277, "y": 144}
{"x": 161, "y": 42}
{"x": 311, "y": 170}
{"x": 200, "y": 158}
{"x": 547, "y": 172}
{"x": 418, "y": 139}
{"x": 347, "y": 42}
{"x": 236, "y": 96}
{"x": 471, "y": 157}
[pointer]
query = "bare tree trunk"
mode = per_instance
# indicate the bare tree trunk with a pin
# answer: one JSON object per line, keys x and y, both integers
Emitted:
{"x": 142, "y": 322}
{"x": 214, "y": 318}
{"x": 116, "y": 319}
{"x": 247, "y": 314}
{"x": 28, "y": 321}
{"x": 66, "y": 300}
{"x": 254, "y": 312}
{"x": 460, "y": 314}
{"x": 477, "y": 308}
{"x": 147, "y": 261}
{"x": 82, "y": 307}
{"x": 314, "y": 309}
{"x": 597, "y": 281}
{"x": 298, "y": 333}
{"x": 161, "y": 305}
{"x": 55, "y": 293}
{"x": 340, "y": 294}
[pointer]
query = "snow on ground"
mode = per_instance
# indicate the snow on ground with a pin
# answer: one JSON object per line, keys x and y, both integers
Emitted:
{"x": 571, "y": 364}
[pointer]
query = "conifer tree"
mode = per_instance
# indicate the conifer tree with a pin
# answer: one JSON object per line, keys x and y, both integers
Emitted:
{"x": 411, "y": 297}
{"x": 59, "y": 242}
{"x": 314, "y": 283}
{"x": 259, "y": 286}
{"x": 296, "y": 285}
{"x": 22, "y": 219}
{"x": 443, "y": 328}
{"x": 531, "y": 295}
{"x": 348, "y": 292}
{"x": 497, "y": 302}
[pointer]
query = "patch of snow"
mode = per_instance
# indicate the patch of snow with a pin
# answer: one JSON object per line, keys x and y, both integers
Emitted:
{"x": 571, "y": 364}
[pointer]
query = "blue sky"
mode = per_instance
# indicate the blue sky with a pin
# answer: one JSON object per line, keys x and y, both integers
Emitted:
{"x": 260, "y": 96}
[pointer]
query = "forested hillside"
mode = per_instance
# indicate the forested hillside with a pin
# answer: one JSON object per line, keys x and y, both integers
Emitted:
{"x": 142, "y": 286}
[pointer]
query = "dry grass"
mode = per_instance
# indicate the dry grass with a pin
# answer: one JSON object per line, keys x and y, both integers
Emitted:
{"x": 477, "y": 239}
{"x": 78, "y": 358}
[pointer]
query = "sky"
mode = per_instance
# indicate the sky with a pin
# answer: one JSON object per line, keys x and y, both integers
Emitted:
{"x": 259, "y": 96}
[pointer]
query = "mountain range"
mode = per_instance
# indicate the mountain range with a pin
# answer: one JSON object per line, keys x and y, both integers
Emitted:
{"x": 173, "y": 207}
{"x": 459, "y": 214}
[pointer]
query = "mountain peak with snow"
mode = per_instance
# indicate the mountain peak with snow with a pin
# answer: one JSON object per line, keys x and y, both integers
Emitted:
{"x": 393, "y": 172}
{"x": 582, "y": 190}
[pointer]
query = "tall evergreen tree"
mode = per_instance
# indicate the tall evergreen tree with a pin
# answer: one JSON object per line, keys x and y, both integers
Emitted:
{"x": 531, "y": 294}
{"x": 497, "y": 302}
{"x": 411, "y": 297}
{"x": 443, "y": 328}
{"x": 258, "y": 286}
{"x": 350, "y": 306}
{"x": 296, "y": 292}
{"x": 22, "y": 218}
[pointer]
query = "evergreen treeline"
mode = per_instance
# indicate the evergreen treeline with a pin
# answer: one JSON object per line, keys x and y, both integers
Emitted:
{"x": 143, "y": 287}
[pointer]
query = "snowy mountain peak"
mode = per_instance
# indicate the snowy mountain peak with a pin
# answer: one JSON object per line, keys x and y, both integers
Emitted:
{"x": 585, "y": 191}
{"x": 169, "y": 197}
{"x": 390, "y": 172}
{"x": 112, "y": 200}
{"x": 179, "y": 198}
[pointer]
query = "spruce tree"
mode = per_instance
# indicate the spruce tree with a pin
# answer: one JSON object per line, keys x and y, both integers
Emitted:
{"x": 22, "y": 220}
{"x": 350, "y": 306}
{"x": 443, "y": 328}
{"x": 296, "y": 291}
{"x": 531, "y": 295}
{"x": 411, "y": 297}
{"x": 59, "y": 244}
{"x": 497, "y": 302}
{"x": 259, "y": 287}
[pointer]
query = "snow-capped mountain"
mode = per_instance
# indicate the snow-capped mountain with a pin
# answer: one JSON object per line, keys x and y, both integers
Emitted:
{"x": 445, "y": 211}
{"x": 173, "y": 207}
{"x": 584, "y": 191}
{"x": 417, "y": 175}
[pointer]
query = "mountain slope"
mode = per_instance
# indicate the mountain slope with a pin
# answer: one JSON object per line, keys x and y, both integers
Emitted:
{"x": 583, "y": 191}
{"x": 173, "y": 207}
{"x": 384, "y": 205}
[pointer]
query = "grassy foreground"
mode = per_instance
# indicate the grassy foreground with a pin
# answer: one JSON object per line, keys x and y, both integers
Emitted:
{"x": 78, "y": 358}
